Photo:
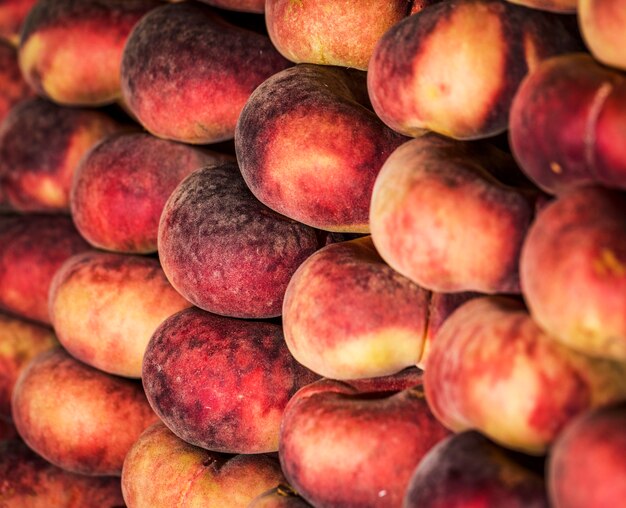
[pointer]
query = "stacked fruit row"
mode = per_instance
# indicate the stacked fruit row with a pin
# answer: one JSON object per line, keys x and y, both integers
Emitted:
{"x": 289, "y": 253}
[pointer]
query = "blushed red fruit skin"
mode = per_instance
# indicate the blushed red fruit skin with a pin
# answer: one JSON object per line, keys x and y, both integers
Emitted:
{"x": 186, "y": 101}
{"x": 70, "y": 51}
{"x": 12, "y": 15}
{"x": 467, "y": 469}
{"x": 282, "y": 496}
{"x": 587, "y": 464}
{"x": 221, "y": 383}
{"x": 357, "y": 444}
{"x": 121, "y": 186}
{"x": 226, "y": 252}
{"x": 410, "y": 90}
{"x": 439, "y": 217}
{"x": 327, "y": 32}
{"x": 579, "y": 240}
{"x": 77, "y": 417}
{"x": 160, "y": 470}
{"x": 13, "y": 88}
{"x": 309, "y": 147}
{"x": 105, "y": 307}
{"x": 20, "y": 341}
{"x": 29, "y": 481}
{"x": 566, "y": 124}
{"x": 487, "y": 352}
{"x": 39, "y": 180}
{"x": 347, "y": 314}
{"x": 34, "y": 248}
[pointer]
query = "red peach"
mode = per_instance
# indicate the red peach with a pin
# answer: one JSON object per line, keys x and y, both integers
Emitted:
{"x": 13, "y": 88}
{"x": 70, "y": 51}
{"x": 122, "y": 184}
{"x": 33, "y": 248}
{"x": 162, "y": 471}
{"x": 41, "y": 145}
{"x": 176, "y": 98}
{"x": 221, "y": 383}
{"x": 12, "y": 15}
{"x": 77, "y": 417}
{"x": 602, "y": 26}
{"x": 105, "y": 307}
{"x": 226, "y": 252}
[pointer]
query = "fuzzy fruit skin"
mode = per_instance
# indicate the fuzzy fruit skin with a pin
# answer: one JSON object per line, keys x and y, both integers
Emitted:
{"x": 327, "y": 32}
{"x": 105, "y": 307}
{"x": 221, "y": 383}
{"x": 602, "y": 27}
{"x": 13, "y": 88}
{"x": 122, "y": 184}
{"x": 356, "y": 444}
{"x": 439, "y": 216}
{"x": 587, "y": 464}
{"x": 161, "y": 471}
{"x": 490, "y": 45}
{"x": 574, "y": 91}
{"x": 40, "y": 180}
{"x": 12, "y": 16}
{"x": 91, "y": 427}
{"x": 30, "y": 481}
{"x": 310, "y": 147}
{"x": 20, "y": 341}
{"x": 226, "y": 252}
{"x": 467, "y": 469}
{"x": 579, "y": 239}
{"x": 348, "y": 315}
{"x": 488, "y": 352}
{"x": 282, "y": 496}
{"x": 34, "y": 248}
{"x": 70, "y": 51}
{"x": 175, "y": 98}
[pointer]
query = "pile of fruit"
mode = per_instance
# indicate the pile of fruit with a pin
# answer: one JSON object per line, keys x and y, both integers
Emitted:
{"x": 328, "y": 253}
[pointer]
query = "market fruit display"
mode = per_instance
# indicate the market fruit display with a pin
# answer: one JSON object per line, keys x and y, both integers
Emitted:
{"x": 312, "y": 253}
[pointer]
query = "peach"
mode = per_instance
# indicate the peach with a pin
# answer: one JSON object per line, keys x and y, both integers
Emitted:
{"x": 20, "y": 341}
{"x": 310, "y": 148}
{"x": 488, "y": 353}
{"x": 587, "y": 464}
{"x": 221, "y": 383}
{"x": 12, "y": 16}
{"x": 33, "y": 248}
{"x": 121, "y": 186}
{"x": 105, "y": 307}
{"x": 467, "y": 469}
{"x": 173, "y": 96}
{"x": 580, "y": 241}
{"x": 226, "y": 252}
{"x": 454, "y": 68}
{"x": 13, "y": 88}
{"x": 357, "y": 444}
{"x": 567, "y": 122}
{"x": 70, "y": 51}
{"x": 162, "y": 471}
{"x": 77, "y": 417}
{"x": 439, "y": 217}
{"x": 282, "y": 496}
{"x": 602, "y": 26}
{"x": 28, "y": 481}
{"x": 328, "y": 32}
{"x": 348, "y": 315}
{"x": 41, "y": 145}
{"x": 558, "y": 6}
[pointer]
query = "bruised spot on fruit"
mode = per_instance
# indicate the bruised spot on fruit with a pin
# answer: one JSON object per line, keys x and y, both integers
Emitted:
{"x": 607, "y": 264}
